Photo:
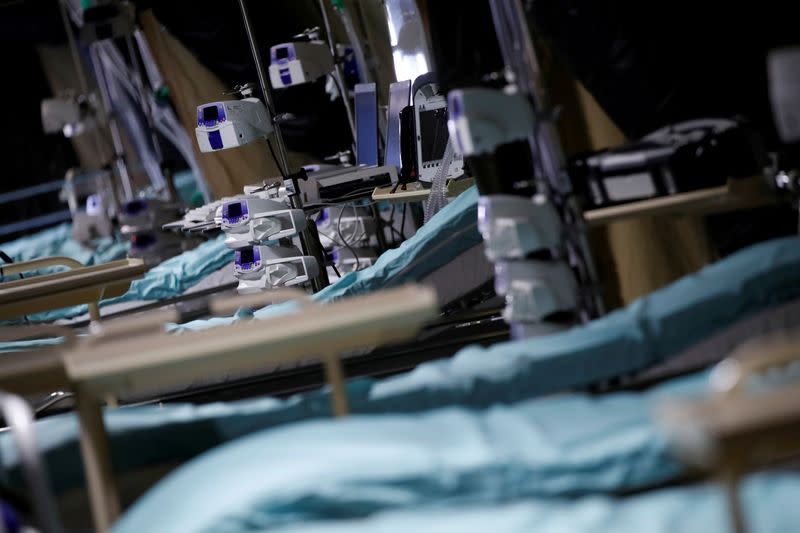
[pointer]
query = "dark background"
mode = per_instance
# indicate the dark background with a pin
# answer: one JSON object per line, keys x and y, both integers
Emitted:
{"x": 211, "y": 29}
{"x": 647, "y": 63}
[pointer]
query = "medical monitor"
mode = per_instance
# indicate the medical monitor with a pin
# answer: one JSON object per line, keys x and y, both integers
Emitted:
{"x": 366, "y": 101}
{"x": 399, "y": 98}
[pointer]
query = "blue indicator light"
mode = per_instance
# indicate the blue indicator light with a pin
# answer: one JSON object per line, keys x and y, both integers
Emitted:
{"x": 215, "y": 140}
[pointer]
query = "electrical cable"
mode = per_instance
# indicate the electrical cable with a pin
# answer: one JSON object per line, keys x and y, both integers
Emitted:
{"x": 352, "y": 237}
{"x": 333, "y": 266}
{"x": 403, "y": 222}
{"x": 275, "y": 159}
{"x": 333, "y": 239}
{"x": 344, "y": 241}
{"x": 390, "y": 224}
{"x": 394, "y": 231}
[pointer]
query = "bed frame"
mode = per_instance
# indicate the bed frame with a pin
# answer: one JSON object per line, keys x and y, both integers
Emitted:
{"x": 736, "y": 431}
{"x": 78, "y": 285}
{"x": 136, "y": 355}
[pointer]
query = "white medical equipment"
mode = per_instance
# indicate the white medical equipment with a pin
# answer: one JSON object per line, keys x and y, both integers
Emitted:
{"x": 91, "y": 201}
{"x": 251, "y": 220}
{"x": 231, "y": 123}
{"x": 255, "y": 224}
{"x": 493, "y": 118}
{"x": 353, "y": 259}
{"x": 522, "y": 234}
{"x": 267, "y": 267}
{"x": 360, "y": 180}
{"x": 348, "y": 182}
{"x": 208, "y": 217}
{"x": 345, "y": 225}
{"x": 299, "y": 62}
{"x": 430, "y": 123}
{"x": 783, "y": 65}
{"x": 70, "y": 114}
{"x": 199, "y": 219}
{"x": 141, "y": 221}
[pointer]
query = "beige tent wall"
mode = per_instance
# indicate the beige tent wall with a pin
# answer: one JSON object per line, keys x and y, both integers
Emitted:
{"x": 191, "y": 84}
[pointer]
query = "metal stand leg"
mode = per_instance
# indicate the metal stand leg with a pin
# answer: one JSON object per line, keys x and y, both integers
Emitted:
{"x": 730, "y": 481}
{"x": 17, "y": 414}
{"x": 309, "y": 239}
{"x": 333, "y": 371}
{"x": 103, "y": 496}
{"x": 94, "y": 312}
{"x": 380, "y": 235}
{"x": 337, "y": 69}
{"x": 116, "y": 138}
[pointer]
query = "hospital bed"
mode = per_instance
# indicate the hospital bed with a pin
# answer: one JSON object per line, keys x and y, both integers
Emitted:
{"x": 79, "y": 285}
{"x": 446, "y": 253}
{"x": 769, "y": 498}
{"x": 57, "y": 241}
{"x": 743, "y": 427}
{"x": 142, "y": 362}
{"x": 460, "y": 459}
{"x": 201, "y": 269}
{"x": 749, "y": 293}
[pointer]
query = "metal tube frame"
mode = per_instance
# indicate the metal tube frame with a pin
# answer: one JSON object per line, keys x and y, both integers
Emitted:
{"x": 309, "y": 239}
{"x": 116, "y": 138}
{"x": 337, "y": 69}
{"x": 522, "y": 70}
{"x": 19, "y": 417}
{"x": 138, "y": 81}
{"x": 82, "y": 80}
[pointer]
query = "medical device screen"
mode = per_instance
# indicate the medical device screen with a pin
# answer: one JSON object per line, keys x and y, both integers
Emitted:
{"x": 234, "y": 210}
{"x": 398, "y": 100}
{"x": 433, "y": 134}
{"x": 246, "y": 256}
{"x": 210, "y": 113}
{"x": 366, "y": 124}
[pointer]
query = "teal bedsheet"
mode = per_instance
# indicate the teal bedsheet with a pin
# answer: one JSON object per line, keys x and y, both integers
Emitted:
{"x": 563, "y": 445}
{"x": 652, "y": 329}
{"x": 58, "y": 241}
{"x": 769, "y": 502}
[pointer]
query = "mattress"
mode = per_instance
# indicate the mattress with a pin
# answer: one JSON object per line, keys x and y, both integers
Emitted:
{"x": 169, "y": 279}
{"x": 756, "y": 285}
{"x": 333, "y": 469}
{"x": 768, "y": 500}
